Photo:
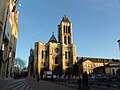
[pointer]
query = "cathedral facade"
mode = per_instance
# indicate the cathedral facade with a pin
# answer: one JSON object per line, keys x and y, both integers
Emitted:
{"x": 56, "y": 52}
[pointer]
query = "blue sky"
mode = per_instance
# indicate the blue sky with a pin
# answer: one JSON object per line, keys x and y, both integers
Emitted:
{"x": 95, "y": 25}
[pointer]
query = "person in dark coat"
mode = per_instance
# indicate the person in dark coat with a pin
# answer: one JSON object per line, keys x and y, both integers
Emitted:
{"x": 38, "y": 78}
{"x": 79, "y": 83}
{"x": 52, "y": 78}
{"x": 85, "y": 80}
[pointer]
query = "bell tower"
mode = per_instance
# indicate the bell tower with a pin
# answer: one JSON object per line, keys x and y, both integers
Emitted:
{"x": 68, "y": 49}
{"x": 65, "y": 31}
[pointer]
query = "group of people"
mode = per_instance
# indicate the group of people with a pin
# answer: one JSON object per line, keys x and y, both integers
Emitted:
{"x": 83, "y": 83}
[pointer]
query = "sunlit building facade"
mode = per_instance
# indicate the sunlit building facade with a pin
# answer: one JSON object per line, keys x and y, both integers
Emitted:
{"x": 8, "y": 37}
{"x": 56, "y": 52}
{"x": 88, "y": 64}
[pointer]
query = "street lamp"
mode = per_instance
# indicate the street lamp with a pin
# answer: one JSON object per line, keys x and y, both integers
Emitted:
{"x": 10, "y": 54}
{"x": 119, "y": 43}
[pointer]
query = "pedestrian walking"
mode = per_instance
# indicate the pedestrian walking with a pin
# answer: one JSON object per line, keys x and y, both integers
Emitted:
{"x": 79, "y": 83}
{"x": 52, "y": 77}
{"x": 38, "y": 78}
{"x": 85, "y": 80}
{"x": 90, "y": 75}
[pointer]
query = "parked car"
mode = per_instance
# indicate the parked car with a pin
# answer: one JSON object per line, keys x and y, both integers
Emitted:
{"x": 47, "y": 75}
{"x": 54, "y": 77}
{"x": 102, "y": 77}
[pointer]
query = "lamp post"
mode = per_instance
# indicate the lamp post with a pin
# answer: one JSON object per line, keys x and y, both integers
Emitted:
{"x": 119, "y": 43}
{"x": 8, "y": 65}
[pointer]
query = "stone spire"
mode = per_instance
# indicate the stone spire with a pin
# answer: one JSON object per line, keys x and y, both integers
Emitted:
{"x": 53, "y": 39}
{"x": 65, "y": 19}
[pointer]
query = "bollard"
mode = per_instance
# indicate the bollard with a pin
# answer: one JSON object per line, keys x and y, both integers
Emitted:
{"x": 98, "y": 84}
{"x": 73, "y": 82}
{"x": 90, "y": 83}
{"x": 108, "y": 85}
{"x": 65, "y": 81}
{"x": 68, "y": 81}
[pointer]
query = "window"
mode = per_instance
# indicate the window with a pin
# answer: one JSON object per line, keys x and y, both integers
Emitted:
{"x": 46, "y": 54}
{"x": 68, "y": 29}
{"x": 69, "y": 55}
{"x": 68, "y": 64}
{"x": 42, "y": 54}
{"x": 64, "y": 29}
{"x": 65, "y": 39}
{"x": 44, "y": 64}
{"x": 69, "y": 40}
{"x": 65, "y": 55}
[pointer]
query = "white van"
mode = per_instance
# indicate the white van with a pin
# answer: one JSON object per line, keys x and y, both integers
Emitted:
{"x": 47, "y": 74}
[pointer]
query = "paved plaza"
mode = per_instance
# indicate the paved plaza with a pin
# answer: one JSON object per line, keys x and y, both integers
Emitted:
{"x": 46, "y": 85}
{"x": 32, "y": 84}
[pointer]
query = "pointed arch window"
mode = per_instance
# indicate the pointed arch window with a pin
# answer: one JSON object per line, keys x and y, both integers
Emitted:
{"x": 42, "y": 54}
{"x": 69, "y": 40}
{"x": 46, "y": 54}
{"x": 64, "y": 28}
{"x": 69, "y": 54}
{"x": 65, "y": 39}
{"x": 68, "y": 29}
{"x": 65, "y": 55}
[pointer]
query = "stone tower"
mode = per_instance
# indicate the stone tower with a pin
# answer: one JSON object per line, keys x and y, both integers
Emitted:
{"x": 65, "y": 31}
{"x": 54, "y": 54}
{"x": 68, "y": 49}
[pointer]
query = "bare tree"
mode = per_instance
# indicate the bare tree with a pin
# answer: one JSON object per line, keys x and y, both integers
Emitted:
{"x": 19, "y": 63}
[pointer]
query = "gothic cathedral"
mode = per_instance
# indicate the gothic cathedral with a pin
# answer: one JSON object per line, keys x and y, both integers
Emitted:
{"x": 56, "y": 52}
